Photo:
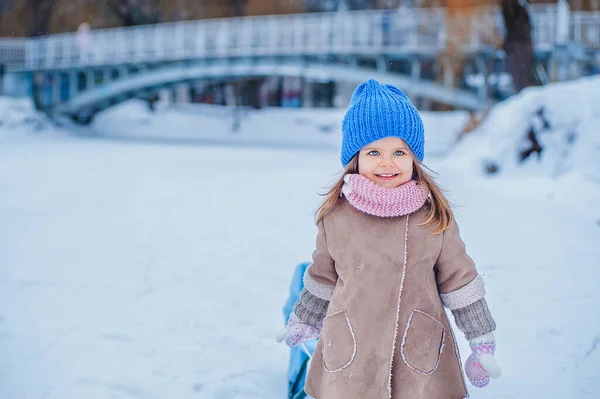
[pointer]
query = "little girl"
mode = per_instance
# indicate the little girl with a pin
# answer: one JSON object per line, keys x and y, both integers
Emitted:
{"x": 388, "y": 258}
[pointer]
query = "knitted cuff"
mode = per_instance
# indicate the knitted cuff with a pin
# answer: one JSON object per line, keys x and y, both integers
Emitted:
{"x": 322, "y": 291}
{"x": 475, "y": 319}
{"x": 464, "y": 296}
{"x": 310, "y": 308}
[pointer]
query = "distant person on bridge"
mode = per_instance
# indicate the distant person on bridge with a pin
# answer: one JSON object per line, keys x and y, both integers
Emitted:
{"x": 83, "y": 40}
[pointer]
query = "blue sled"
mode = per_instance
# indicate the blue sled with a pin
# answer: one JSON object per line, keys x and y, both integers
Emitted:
{"x": 299, "y": 360}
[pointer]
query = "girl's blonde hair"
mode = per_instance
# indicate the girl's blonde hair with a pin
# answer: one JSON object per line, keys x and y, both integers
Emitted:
{"x": 440, "y": 214}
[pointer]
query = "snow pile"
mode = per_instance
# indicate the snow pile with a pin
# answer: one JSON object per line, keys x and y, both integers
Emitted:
{"x": 563, "y": 117}
{"x": 19, "y": 119}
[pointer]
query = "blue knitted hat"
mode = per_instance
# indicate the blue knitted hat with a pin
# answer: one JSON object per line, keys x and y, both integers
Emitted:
{"x": 378, "y": 111}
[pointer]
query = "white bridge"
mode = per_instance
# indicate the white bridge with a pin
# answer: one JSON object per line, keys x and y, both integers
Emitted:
{"x": 91, "y": 72}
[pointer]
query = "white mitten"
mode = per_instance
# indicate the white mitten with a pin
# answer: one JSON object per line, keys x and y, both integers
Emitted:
{"x": 481, "y": 364}
{"x": 297, "y": 331}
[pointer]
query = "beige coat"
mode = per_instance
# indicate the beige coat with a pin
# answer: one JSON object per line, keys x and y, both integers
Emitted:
{"x": 386, "y": 334}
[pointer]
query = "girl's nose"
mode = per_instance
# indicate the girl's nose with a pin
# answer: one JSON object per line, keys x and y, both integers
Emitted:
{"x": 385, "y": 162}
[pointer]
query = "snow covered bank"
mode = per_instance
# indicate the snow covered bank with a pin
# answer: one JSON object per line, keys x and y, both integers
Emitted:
{"x": 220, "y": 125}
{"x": 292, "y": 127}
{"x": 565, "y": 119}
{"x": 19, "y": 120}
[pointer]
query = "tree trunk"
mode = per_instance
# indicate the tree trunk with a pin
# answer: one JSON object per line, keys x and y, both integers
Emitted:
{"x": 41, "y": 12}
{"x": 137, "y": 12}
{"x": 237, "y": 8}
{"x": 517, "y": 43}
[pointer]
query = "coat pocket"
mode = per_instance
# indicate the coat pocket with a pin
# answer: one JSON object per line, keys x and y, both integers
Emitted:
{"x": 422, "y": 342}
{"x": 338, "y": 343}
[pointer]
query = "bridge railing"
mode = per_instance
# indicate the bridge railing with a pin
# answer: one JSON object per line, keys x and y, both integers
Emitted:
{"x": 354, "y": 32}
{"x": 316, "y": 34}
{"x": 13, "y": 52}
{"x": 585, "y": 28}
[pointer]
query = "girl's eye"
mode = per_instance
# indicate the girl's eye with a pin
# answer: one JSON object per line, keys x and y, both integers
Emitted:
{"x": 398, "y": 153}
{"x": 373, "y": 153}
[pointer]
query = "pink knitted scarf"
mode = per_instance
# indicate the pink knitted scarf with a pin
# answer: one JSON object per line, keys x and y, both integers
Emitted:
{"x": 370, "y": 198}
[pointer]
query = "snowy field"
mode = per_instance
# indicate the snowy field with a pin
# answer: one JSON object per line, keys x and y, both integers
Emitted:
{"x": 150, "y": 257}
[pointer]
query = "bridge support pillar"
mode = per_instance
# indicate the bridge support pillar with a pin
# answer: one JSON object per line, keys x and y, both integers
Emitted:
{"x": 307, "y": 94}
{"x": 123, "y": 72}
{"x": 89, "y": 79}
{"x": 353, "y": 62}
{"x": 415, "y": 74}
{"x": 415, "y": 69}
{"x": 447, "y": 72}
{"x": 72, "y": 77}
{"x": 106, "y": 76}
{"x": 381, "y": 64}
{"x": 483, "y": 70}
{"x": 55, "y": 88}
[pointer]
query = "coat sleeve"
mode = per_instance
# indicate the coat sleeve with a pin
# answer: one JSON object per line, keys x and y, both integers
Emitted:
{"x": 461, "y": 288}
{"x": 319, "y": 282}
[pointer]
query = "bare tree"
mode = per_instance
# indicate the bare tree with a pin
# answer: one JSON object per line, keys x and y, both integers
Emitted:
{"x": 237, "y": 8}
{"x": 517, "y": 43}
{"x": 136, "y": 12}
{"x": 4, "y": 5}
{"x": 41, "y": 12}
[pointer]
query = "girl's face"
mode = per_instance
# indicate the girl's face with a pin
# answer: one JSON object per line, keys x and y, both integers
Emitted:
{"x": 386, "y": 162}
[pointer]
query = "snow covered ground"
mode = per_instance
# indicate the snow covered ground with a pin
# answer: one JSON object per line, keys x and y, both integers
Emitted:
{"x": 150, "y": 257}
